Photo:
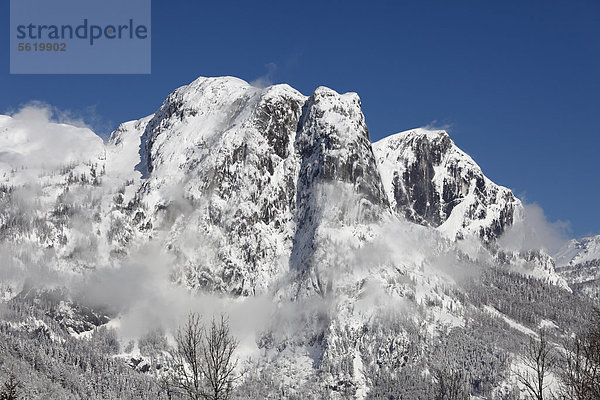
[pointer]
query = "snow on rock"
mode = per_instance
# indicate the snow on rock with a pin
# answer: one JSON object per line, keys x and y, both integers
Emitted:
{"x": 242, "y": 185}
{"x": 579, "y": 251}
{"x": 222, "y": 177}
{"x": 123, "y": 149}
{"x": 339, "y": 192}
{"x": 432, "y": 182}
{"x": 578, "y": 262}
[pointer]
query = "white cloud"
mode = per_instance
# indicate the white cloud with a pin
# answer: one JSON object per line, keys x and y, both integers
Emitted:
{"x": 141, "y": 291}
{"x": 87, "y": 117}
{"x": 266, "y": 79}
{"x": 436, "y": 126}
{"x": 534, "y": 231}
{"x": 37, "y": 135}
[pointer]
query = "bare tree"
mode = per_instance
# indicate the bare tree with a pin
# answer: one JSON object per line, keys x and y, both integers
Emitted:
{"x": 539, "y": 359}
{"x": 451, "y": 385}
{"x": 219, "y": 365}
{"x": 9, "y": 392}
{"x": 580, "y": 372}
{"x": 185, "y": 373}
{"x": 203, "y": 360}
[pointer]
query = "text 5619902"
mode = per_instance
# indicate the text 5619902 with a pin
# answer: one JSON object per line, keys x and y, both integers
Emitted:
{"x": 35, "y": 46}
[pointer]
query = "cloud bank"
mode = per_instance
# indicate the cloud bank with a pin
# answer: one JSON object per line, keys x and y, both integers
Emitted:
{"x": 38, "y": 136}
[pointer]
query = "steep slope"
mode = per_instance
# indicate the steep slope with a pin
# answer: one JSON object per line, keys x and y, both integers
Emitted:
{"x": 221, "y": 173}
{"x": 339, "y": 189}
{"x": 578, "y": 262}
{"x": 243, "y": 184}
{"x": 432, "y": 182}
{"x": 252, "y": 172}
{"x": 579, "y": 251}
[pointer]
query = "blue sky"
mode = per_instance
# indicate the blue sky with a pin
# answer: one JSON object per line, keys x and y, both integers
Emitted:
{"x": 516, "y": 82}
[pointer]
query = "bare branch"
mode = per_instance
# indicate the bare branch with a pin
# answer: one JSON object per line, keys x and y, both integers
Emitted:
{"x": 203, "y": 360}
{"x": 538, "y": 358}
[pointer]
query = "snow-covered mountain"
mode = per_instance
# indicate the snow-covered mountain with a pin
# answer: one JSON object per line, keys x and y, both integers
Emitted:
{"x": 579, "y": 251}
{"x": 579, "y": 263}
{"x": 237, "y": 182}
{"x": 220, "y": 138}
{"x": 252, "y": 192}
{"x": 432, "y": 182}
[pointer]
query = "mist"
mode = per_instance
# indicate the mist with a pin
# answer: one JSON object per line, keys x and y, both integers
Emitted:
{"x": 38, "y": 135}
{"x": 534, "y": 231}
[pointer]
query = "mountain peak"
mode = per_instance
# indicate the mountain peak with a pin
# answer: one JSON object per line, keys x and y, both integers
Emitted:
{"x": 430, "y": 181}
{"x": 422, "y": 132}
{"x": 578, "y": 251}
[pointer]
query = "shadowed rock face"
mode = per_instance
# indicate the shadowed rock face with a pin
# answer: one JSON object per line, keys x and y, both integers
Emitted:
{"x": 334, "y": 147}
{"x": 277, "y": 117}
{"x": 262, "y": 163}
{"x": 338, "y": 182}
{"x": 431, "y": 182}
{"x": 415, "y": 193}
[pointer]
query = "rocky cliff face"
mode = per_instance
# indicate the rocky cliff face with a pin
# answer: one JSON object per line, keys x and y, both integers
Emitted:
{"x": 432, "y": 182}
{"x": 334, "y": 146}
{"x": 339, "y": 187}
{"x": 221, "y": 168}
